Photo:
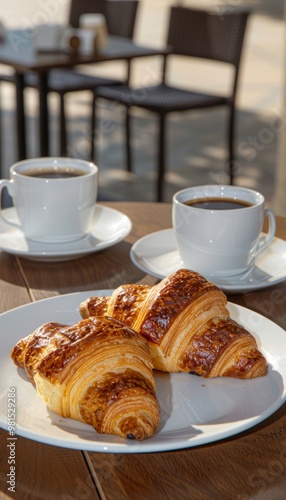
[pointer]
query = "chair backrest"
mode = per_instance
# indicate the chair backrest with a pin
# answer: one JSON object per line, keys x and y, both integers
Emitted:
{"x": 207, "y": 35}
{"x": 120, "y": 15}
{"x": 79, "y": 7}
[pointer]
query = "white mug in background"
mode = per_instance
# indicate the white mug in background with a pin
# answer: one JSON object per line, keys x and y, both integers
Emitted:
{"x": 218, "y": 228}
{"x": 54, "y": 198}
{"x": 48, "y": 37}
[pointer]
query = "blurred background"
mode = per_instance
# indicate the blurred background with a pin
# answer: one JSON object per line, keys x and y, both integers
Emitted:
{"x": 196, "y": 141}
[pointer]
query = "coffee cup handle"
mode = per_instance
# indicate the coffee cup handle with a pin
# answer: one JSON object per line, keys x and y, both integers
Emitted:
{"x": 8, "y": 185}
{"x": 265, "y": 240}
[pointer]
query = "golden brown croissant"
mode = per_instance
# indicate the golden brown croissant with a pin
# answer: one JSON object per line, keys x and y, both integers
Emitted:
{"x": 98, "y": 371}
{"x": 187, "y": 324}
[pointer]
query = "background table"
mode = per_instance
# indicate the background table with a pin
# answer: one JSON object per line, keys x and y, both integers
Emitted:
{"x": 17, "y": 50}
{"x": 247, "y": 466}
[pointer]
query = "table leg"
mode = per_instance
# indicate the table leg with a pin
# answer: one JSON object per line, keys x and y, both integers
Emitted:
{"x": 20, "y": 114}
{"x": 43, "y": 114}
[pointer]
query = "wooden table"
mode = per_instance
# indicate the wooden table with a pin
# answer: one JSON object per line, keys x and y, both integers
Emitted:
{"x": 17, "y": 50}
{"x": 247, "y": 466}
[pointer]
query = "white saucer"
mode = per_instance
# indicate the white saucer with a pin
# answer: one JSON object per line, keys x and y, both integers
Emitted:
{"x": 108, "y": 228}
{"x": 157, "y": 255}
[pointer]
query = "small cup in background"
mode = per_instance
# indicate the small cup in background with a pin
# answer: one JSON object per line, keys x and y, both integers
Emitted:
{"x": 87, "y": 44}
{"x": 54, "y": 198}
{"x": 95, "y": 23}
{"x": 218, "y": 228}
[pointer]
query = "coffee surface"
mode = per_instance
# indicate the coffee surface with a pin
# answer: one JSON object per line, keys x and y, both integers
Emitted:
{"x": 217, "y": 203}
{"x": 53, "y": 173}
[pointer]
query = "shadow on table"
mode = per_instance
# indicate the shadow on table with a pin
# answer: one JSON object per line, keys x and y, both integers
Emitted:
{"x": 196, "y": 151}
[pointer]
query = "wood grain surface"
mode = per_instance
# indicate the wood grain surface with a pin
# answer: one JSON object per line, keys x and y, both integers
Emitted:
{"x": 251, "y": 465}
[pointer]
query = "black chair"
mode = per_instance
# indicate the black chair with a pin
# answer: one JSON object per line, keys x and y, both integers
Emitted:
{"x": 120, "y": 18}
{"x": 192, "y": 33}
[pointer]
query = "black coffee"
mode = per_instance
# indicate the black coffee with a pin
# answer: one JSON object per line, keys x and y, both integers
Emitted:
{"x": 217, "y": 203}
{"x": 53, "y": 173}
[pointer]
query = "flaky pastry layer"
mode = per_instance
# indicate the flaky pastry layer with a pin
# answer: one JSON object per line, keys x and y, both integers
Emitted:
{"x": 98, "y": 371}
{"x": 187, "y": 324}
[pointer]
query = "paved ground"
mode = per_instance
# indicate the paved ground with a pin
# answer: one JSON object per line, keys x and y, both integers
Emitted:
{"x": 196, "y": 148}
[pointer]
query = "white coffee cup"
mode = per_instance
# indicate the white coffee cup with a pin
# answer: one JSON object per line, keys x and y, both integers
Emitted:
{"x": 54, "y": 198}
{"x": 220, "y": 242}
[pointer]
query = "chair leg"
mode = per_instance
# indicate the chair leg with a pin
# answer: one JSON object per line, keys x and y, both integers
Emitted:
{"x": 92, "y": 126}
{"x": 20, "y": 116}
{"x": 161, "y": 158}
{"x": 63, "y": 132}
{"x": 128, "y": 142}
{"x": 231, "y": 146}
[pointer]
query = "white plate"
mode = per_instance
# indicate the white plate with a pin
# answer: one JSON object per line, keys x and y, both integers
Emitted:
{"x": 157, "y": 255}
{"x": 194, "y": 411}
{"x": 109, "y": 226}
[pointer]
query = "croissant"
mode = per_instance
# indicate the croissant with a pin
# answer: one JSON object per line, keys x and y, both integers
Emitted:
{"x": 187, "y": 325}
{"x": 98, "y": 371}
